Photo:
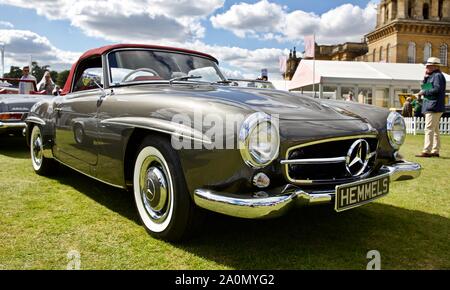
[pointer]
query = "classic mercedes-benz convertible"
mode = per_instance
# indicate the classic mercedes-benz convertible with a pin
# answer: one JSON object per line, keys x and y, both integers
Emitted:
{"x": 167, "y": 124}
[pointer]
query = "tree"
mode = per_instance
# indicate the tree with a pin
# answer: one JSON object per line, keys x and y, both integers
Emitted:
{"x": 62, "y": 77}
{"x": 38, "y": 71}
{"x": 15, "y": 72}
{"x": 54, "y": 75}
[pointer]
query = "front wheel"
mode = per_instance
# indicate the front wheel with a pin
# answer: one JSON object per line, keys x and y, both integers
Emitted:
{"x": 41, "y": 164}
{"x": 162, "y": 199}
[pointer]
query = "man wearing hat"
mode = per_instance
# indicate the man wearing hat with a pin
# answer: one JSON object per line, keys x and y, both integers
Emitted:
{"x": 433, "y": 93}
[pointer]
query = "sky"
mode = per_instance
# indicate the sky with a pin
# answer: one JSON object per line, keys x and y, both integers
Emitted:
{"x": 245, "y": 36}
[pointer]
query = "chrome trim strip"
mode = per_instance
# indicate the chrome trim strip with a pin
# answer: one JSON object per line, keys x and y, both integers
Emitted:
{"x": 321, "y": 160}
{"x": 314, "y": 160}
{"x": 7, "y": 125}
{"x": 36, "y": 120}
{"x": 273, "y": 206}
{"x": 159, "y": 125}
{"x": 299, "y": 181}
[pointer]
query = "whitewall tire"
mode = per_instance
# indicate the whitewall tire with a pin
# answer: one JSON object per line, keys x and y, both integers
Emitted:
{"x": 41, "y": 164}
{"x": 160, "y": 192}
{"x": 154, "y": 191}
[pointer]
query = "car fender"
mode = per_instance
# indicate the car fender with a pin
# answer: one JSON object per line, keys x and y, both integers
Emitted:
{"x": 41, "y": 114}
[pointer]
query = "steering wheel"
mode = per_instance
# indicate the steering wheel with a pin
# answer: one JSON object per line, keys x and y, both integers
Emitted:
{"x": 149, "y": 70}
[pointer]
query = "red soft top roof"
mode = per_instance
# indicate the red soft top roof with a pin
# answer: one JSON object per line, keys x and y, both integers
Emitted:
{"x": 104, "y": 49}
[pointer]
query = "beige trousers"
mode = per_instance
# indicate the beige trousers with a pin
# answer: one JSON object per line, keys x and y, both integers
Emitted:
{"x": 432, "y": 138}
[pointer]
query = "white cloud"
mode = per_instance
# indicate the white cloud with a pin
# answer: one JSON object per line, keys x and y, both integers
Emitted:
{"x": 266, "y": 20}
{"x": 133, "y": 20}
{"x": 348, "y": 22}
{"x": 244, "y": 62}
{"x": 236, "y": 62}
{"x": 243, "y": 19}
{"x": 179, "y": 23}
{"x": 20, "y": 44}
{"x": 6, "y": 24}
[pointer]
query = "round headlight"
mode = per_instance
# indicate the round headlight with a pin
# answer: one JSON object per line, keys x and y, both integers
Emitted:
{"x": 259, "y": 140}
{"x": 396, "y": 130}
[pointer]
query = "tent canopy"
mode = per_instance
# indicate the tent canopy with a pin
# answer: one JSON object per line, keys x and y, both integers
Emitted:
{"x": 350, "y": 72}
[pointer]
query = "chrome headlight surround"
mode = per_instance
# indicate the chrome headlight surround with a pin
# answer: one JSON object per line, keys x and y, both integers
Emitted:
{"x": 396, "y": 130}
{"x": 252, "y": 155}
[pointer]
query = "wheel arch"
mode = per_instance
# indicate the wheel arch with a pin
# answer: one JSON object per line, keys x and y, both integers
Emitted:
{"x": 131, "y": 147}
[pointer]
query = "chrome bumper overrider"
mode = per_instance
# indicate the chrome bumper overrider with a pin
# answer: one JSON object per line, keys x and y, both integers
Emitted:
{"x": 272, "y": 206}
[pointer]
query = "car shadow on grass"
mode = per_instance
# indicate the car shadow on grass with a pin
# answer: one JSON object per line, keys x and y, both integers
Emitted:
{"x": 306, "y": 238}
{"x": 14, "y": 146}
{"x": 116, "y": 199}
{"x": 319, "y": 238}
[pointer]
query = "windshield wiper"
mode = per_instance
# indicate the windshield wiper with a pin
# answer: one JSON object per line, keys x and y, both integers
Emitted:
{"x": 223, "y": 82}
{"x": 183, "y": 78}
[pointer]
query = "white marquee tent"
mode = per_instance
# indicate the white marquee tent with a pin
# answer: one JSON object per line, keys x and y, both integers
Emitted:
{"x": 370, "y": 82}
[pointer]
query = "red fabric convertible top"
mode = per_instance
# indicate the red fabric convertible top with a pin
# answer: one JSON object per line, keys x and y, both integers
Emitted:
{"x": 105, "y": 49}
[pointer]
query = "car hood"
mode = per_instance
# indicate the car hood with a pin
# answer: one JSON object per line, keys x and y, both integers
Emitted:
{"x": 287, "y": 106}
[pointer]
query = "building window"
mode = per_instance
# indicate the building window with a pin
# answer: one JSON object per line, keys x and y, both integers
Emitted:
{"x": 388, "y": 52}
{"x": 381, "y": 54}
{"x": 374, "y": 54}
{"x": 441, "y": 3}
{"x": 394, "y": 9}
{"x": 426, "y": 51}
{"x": 412, "y": 52}
{"x": 443, "y": 54}
{"x": 426, "y": 11}
{"x": 410, "y": 8}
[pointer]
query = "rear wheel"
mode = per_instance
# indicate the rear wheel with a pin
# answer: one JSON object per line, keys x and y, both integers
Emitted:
{"x": 161, "y": 196}
{"x": 41, "y": 164}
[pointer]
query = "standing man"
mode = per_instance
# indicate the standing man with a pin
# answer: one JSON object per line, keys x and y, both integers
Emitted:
{"x": 433, "y": 93}
{"x": 26, "y": 87}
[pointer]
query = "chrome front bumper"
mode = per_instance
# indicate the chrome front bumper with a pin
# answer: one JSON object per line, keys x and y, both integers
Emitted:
{"x": 272, "y": 206}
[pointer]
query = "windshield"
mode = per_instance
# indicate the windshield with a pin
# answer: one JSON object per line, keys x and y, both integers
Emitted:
{"x": 131, "y": 66}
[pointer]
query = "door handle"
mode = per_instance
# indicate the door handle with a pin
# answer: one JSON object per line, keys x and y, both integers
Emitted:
{"x": 103, "y": 96}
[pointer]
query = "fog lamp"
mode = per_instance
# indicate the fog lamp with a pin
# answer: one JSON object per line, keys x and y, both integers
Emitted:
{"x": 261, "y": 180}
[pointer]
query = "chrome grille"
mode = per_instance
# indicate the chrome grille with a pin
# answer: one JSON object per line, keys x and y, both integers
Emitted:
{"x": 326, "y": 161}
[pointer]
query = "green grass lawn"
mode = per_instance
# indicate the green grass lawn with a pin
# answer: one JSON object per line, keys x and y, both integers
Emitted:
{"x": 42, "y": 219}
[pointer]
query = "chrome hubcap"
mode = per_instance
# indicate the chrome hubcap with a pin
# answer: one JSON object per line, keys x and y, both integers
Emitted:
{"x": 155, "y": 192}
{"x": 37, "y": 149}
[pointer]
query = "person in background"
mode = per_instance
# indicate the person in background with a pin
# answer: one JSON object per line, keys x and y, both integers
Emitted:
{"x": 46, "y": 84}
{"x": 407, "y": 108}
{"x": 350, "y": 96}
{"x": 433, "y": 93}
{"x": 417, "y": 106}
{"x": 26, "y": 87}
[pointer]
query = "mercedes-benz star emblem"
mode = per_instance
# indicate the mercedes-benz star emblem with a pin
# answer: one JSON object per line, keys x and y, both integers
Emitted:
{"x": 357, "y": 157}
